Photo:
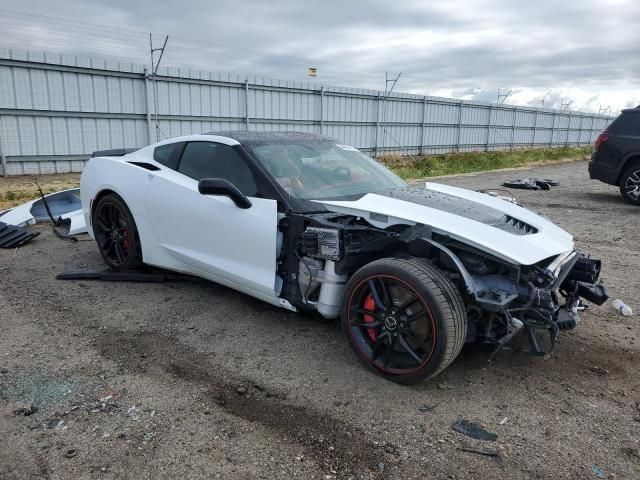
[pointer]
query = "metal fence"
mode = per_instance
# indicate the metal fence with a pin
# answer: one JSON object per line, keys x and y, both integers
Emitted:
{"x": 55, "y": 110}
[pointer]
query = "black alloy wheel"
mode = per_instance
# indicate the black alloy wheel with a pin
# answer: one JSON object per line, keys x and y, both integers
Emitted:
{"x": 630, "y": 185}
{"x": 392, "y": 323}
{"x": 116, "y": 233}
{"x": 404, "y": 318}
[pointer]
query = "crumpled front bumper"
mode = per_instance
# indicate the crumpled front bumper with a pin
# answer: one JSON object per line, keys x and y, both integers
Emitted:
{"x": 578, "y": 279}
{"x": 581, "y": 279}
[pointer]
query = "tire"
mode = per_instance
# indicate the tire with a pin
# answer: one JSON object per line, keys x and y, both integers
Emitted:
{"x": 116, "y": 233}
{"x": 433, "y": 325}
{"x": 630, "y": 185}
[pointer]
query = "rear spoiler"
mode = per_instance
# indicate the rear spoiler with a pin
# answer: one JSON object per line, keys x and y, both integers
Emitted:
{"x": 116, "y": 152}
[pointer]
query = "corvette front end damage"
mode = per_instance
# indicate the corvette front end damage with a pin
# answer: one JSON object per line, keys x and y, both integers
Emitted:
{"x": 503, "y": 298}
{"x": 517, "y": 270}
{"x": 535, "y": 299}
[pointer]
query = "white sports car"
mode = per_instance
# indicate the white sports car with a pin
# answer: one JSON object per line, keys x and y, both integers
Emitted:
{"x": 305, "y": 223}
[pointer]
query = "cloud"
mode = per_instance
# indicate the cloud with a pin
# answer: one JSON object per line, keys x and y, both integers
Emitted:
{"x": 584, "y": 51}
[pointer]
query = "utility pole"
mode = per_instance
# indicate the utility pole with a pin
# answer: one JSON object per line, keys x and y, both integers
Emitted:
{"x": 502, "y": 96}
{"x": 387, "y": 92}
{"x": 604, "y": 110}
{"x": 3, "y": 159}
{"x": 154, "y": 70}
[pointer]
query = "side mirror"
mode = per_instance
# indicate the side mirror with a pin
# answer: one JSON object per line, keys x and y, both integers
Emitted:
{"x": 220, "y": 186}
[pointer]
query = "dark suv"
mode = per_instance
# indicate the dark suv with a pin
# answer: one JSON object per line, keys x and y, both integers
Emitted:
{"x": 616, "y": 156}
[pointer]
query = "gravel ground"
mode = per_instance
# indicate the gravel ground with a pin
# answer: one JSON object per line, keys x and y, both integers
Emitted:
{"x": 193, "y": 380}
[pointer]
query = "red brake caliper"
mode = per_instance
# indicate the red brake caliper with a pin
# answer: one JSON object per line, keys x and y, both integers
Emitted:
{"x": 125, "y": 241}
{"x": 370, "y": 304}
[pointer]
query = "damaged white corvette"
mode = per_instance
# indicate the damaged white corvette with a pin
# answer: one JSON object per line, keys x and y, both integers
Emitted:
{"x": 305, "y": 223}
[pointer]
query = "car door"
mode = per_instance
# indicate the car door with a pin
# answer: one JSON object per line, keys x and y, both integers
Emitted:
{"x": 210, "y": 233}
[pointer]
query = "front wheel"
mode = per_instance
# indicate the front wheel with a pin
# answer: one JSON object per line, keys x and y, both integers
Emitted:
{"x": 630, "y": 185}
{"x": 404, "y": 318}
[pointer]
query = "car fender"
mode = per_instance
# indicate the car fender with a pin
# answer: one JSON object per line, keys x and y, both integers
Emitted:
{"x": 629, "y": 160}
{"x": 114, "y": 174}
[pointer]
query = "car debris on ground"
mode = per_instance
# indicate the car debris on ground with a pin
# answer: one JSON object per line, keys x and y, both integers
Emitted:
{"x": 531, "y": 183}
{"x": 622, "y": 307}
{"x": 472, "y": 430}
{"x": 13, "y": 237}
{"x": 486, "y": 453}
{"x": 59, "y": 207}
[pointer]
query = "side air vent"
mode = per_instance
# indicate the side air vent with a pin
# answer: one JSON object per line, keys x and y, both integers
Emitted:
{"x": 519, "y": 225}
{"x": 145, "y": 165}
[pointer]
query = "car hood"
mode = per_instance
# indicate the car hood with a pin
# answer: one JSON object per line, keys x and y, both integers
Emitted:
{"x": 495, "y": 226}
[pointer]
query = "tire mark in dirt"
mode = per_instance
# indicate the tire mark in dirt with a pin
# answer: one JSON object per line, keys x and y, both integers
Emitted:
{"x": 157, "y": 354}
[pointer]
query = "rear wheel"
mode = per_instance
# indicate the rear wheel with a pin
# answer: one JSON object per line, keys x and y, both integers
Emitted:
{"x": 404, "y": 318}
{"x": 116, "y": 233}
{"x": 630, "y": 185}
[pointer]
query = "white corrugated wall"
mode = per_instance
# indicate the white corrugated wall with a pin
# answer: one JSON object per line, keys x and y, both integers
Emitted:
{"x": 55, "y": 110}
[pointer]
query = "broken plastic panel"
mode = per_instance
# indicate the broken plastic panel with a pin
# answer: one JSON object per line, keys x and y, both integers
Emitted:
{"x": 12, "y": 236}
{"x": 64, "y": 204}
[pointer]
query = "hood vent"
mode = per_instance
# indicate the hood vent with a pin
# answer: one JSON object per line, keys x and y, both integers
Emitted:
{"x": 522, "y": 227}
{"x": 473, "y": 210}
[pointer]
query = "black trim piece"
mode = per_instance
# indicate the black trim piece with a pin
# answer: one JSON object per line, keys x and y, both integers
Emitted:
{"x": 116, "y": 152}
{"x": 145, "y": 165}
{"x": 13, "y": 237}
{"x": 157, "y": 276}
{"x": 222, "y": 186}
{"x": 175, "y": 151}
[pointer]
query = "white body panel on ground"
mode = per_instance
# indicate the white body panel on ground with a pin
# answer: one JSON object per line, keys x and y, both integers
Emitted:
{"x": 61, "y": 208}
{"x": 19, "y": 216}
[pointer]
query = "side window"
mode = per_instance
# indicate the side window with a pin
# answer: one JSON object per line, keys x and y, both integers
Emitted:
{"x": 168, "y": 155}
{"x": 215, "y": 160}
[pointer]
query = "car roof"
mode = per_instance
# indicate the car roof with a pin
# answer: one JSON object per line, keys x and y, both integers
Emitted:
{"x": 243, "y": 137}
{"x": 252, "y": 137}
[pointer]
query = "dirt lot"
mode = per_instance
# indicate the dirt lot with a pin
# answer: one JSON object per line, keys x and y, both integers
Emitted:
{"x": 193, "y": 380}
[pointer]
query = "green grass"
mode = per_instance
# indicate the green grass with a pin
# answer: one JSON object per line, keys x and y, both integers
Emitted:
{"x": 456, "y": 163}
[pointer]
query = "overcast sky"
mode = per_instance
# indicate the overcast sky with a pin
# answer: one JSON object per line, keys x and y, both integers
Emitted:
{"x": 586, "y": 51}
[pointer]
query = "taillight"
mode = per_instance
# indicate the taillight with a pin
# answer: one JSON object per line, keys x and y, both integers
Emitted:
{"x": 603, "y": 137}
